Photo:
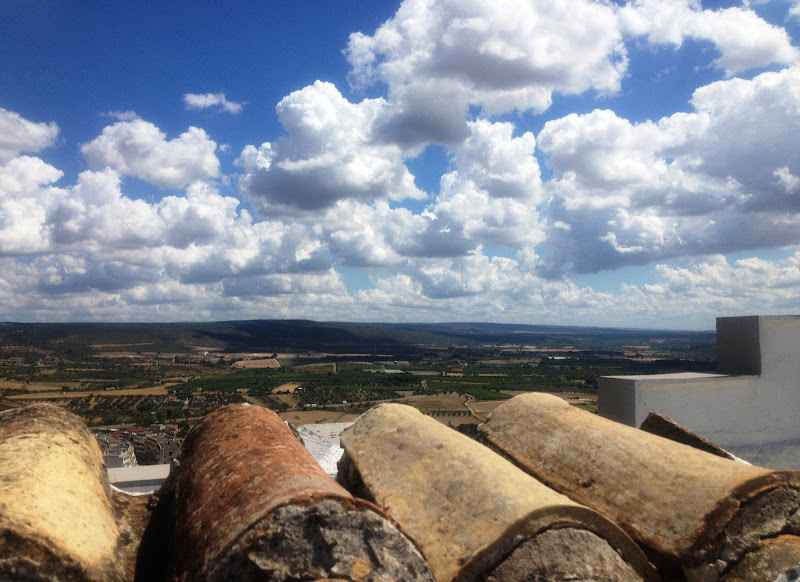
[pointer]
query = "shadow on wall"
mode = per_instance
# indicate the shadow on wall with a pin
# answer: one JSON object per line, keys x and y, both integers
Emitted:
{"x": 751, "y": 407}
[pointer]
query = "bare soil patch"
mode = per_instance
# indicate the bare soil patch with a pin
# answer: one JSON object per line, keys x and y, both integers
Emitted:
{"x": 287, "y": 399}
{"x": 155, "y": 391}
{"x": 441, "y": 402}
{"x": 316, "y": 416}
{"x": 512, "y": 361}
{"x": 257, "y": 363}
{"x": 34, "y": 386}
{"x": 97, "y": 346}
{"x": 287, "y": 388}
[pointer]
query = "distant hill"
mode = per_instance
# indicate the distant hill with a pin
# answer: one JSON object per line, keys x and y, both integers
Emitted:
{"x": 333, "y": 337}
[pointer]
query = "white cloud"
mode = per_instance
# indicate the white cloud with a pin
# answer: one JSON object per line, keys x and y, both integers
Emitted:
{"x": 331, "y": 193}
{"x": 25, "y": 196}
{"x": 327, "y": 283}
{"x": 716, "y": 180}
{"x": 206, "y": 100}
{"x": 364, "y": 235}
{"x": 138, "y": 148}
{"x": 122, "y": 115}
{"x": 96, "y": 214}
{"x": 499, "y": 163}
{"x": 328, "y": 154}
{"x": 743, "y": 286}
{"x": 439, "y": 57}
{"x": 17, "y": 135}
{"x": 94, "y": 252}
{"x": 481, "y": 218}
{"x": 743, "y": 39}
{"x": 751, "y": 133}
{"x": 490, "y": 197}
{"x": 478, "y": 287}
{"x": 25, "y": 173}
{"x": 606, "y": 154}
{"x": 788, "y": 181}
{"x": 502, "y": 290}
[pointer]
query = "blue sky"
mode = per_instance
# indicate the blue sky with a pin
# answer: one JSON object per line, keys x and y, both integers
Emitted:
{"x": 563, "y": 162}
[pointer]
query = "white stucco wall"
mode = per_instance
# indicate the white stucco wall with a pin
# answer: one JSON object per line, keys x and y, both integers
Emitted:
{"x": 731, "y": 411}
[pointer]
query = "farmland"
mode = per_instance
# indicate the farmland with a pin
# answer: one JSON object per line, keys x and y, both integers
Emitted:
{"x": 141, "y": 373}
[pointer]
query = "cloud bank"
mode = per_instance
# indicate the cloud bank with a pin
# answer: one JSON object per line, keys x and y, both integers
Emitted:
{"x": 518, "y": 216}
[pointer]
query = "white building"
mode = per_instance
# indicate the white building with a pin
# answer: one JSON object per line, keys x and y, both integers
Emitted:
{"x": 750, "y": 407}
{"x": 139, "y": 480}
{"x": 117, "y": 452}
{"x": 159, "y": 449}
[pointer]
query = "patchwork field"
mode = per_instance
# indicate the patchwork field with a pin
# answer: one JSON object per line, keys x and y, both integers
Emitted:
{"x": 155, "y": 391}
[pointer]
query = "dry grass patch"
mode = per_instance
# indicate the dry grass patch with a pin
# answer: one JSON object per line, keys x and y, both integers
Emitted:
{"x": 455, "y": 420}
{"x": 35, "y": 386}
{"x": 155, "y": 391}
{"x": 287, "y": 399}
{"x": 438, "y": 402}
{"x": 257, "y": 363}
{"x": 287, "y": 388}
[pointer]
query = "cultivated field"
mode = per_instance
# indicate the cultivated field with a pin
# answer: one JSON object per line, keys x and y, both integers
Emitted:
{"x": 155, "y": 391}
{"x": 257, "y": 363}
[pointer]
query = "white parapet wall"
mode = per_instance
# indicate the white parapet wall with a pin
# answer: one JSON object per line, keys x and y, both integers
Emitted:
{"x": 754, "y": 400}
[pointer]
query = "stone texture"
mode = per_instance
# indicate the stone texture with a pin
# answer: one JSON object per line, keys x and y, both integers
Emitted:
{"x": 56, "y": 515}
{"x": 248, "y": 501}
{"x": 562, "y": 555}
{"x": 769, "y": 562}
{"x": 468, "y": 509}
{"x": 687, "y": 507}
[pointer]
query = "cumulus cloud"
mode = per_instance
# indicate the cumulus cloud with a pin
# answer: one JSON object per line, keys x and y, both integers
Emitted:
{"x": 25, "y": 196}
{"x": 208, "y": 100}
{"x": 138, "y": 148}
{"x": 18, "y": 135}
{"x": 452, "y": 289}
{"x": 437, "y": 58}
{"x": 497, "y": 241}
{"x": 328, "y": 154}
{"x": 93, "y": 252}
{"x": 744, "y": 40}
{"x": 369, "y": 235}
{"x": 717, "y": 285}
{"x": 699, "y": 290}
{"x": 122, "y": 115}
{"x": 750, "y": 133}
{"x": 717, "y": 180}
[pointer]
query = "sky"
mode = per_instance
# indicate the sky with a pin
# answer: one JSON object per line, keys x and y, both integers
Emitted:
{"x": 570, "y": 162}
